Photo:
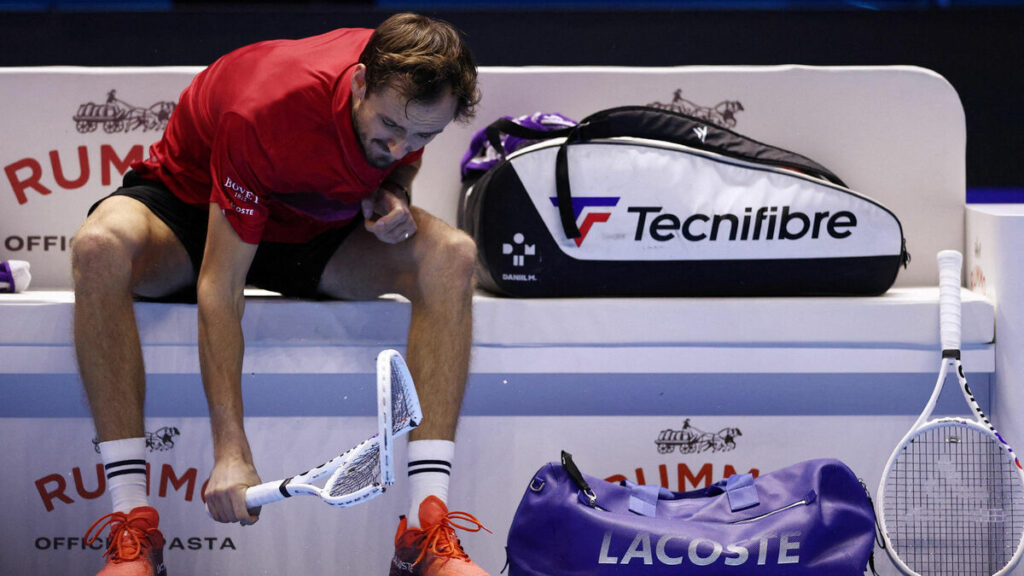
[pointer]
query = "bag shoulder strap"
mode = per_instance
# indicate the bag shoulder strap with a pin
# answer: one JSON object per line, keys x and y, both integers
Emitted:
{"x": 676, "y": 127}
{"x": 505, "y": 125}
{"x": 669, "y": 126}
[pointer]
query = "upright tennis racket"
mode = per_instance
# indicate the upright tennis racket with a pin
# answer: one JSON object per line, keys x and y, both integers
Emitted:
{"x": 365, "y": 471}
{"x": 951, "y": 500}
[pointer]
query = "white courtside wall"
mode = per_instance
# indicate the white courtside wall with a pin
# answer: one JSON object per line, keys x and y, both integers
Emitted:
{"x": 599, "y": 378}
{"x": 895, "y": 134}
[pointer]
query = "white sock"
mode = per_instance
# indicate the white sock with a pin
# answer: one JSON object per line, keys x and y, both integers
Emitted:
{"x": 124, "y": 462}
{"x": 430, "y": 470}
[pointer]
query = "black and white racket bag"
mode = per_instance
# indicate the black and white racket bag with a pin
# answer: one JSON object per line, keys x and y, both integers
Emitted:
{"x": 639, "y": 201}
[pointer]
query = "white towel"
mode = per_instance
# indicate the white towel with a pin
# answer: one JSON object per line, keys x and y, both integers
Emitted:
{"x": 14, "y": 276}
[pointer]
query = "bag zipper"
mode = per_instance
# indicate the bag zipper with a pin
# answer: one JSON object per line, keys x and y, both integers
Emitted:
{"x": 904, "y": 255}
{"x": 808, "y": 499}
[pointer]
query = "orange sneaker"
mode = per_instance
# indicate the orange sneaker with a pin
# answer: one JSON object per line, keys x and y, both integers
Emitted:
{"x": 433, "y": 549}
{"x": 135, "y": 546}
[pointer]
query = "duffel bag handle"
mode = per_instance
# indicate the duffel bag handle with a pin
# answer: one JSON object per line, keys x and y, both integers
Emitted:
{"x": 741, "y": 491}
{"x": 738, "y": 488}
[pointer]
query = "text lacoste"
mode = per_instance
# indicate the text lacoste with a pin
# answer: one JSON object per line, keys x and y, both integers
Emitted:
{"x": 766, "y": 223}
{"x": 671, "y": 550}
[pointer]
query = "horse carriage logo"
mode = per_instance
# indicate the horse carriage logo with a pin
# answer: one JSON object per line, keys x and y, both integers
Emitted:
{"x": 161, "y": 440}
{"x": 722, "y": 114}
{"x": 691, "y": 440}
{"x": 116, "y": 115}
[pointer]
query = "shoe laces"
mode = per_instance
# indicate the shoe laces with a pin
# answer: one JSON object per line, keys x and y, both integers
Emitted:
{"x": 128, "y": 540}
{"x": 441, "y": 540}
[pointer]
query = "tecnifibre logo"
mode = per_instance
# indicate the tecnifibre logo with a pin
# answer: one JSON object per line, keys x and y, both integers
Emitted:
{"x": 593, "y": 216}
{"x": 754, "y": 223}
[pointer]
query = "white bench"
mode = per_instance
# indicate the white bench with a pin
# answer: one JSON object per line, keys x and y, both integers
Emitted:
{"x": 802, "y": 377}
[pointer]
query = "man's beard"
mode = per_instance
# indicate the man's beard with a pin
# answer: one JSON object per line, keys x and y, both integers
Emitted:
{"x": 374, "y": 150}
{"x": 382, "y": 160}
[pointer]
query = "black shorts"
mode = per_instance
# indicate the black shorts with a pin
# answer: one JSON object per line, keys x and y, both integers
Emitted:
{"x": 289, "y": 269}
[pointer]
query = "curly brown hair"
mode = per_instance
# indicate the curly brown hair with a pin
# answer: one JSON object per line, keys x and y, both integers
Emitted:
{"x": 422, "y": 57}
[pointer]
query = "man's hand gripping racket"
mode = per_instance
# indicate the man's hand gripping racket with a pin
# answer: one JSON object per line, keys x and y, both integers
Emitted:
{"x": 951, "y": 499}
{"x": 365, "y": 471}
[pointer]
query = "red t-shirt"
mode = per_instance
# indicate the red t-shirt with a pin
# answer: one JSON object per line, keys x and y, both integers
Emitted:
{"x": 266, "y": 133}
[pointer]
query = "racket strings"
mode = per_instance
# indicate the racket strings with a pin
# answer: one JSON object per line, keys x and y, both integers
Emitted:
{"x": 953, "y": 503}
{"x": 401, "y": 404}
{"x": 362, "y": 471}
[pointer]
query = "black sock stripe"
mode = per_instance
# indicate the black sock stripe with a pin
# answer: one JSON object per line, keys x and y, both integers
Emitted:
{"x": 430, "y": 462}
{"x": 124, "y": 463}
{"x": 438, "y": 470}
{"x": 127, "y": 471}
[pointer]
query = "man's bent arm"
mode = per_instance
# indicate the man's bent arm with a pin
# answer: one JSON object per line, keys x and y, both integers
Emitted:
{"x": 386, "y": 211}
{"x": 401, "y": 177}
{"x": 221, "y": 347}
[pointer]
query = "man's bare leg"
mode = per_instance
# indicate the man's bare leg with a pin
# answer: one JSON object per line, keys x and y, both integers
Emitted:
{"x": 122, "y": 247}
{"x": 434, "y": 270}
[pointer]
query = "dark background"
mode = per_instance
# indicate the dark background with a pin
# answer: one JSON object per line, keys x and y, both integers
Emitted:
{"x": 979, "y": 49}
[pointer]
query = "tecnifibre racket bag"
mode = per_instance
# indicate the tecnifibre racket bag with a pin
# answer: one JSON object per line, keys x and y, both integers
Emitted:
{"x": 639, "y": 201}
{"x": 812, "y": 518}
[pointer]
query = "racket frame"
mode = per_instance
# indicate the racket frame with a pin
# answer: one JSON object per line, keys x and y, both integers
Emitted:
{"x": 950, "y": 266}
{"x": 388, "y": 362}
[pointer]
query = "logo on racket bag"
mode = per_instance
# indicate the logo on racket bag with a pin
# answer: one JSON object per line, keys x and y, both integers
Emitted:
{"x": 521, "y": 254}
{"x": 653, "y": 224}
{"x": 638, "y": 201}
{"x": 579, "y": 205}
{"x": 518, "y": 250}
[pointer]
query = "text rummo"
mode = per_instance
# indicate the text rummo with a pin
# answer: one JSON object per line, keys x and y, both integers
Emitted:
{"x": 89, "y": 483}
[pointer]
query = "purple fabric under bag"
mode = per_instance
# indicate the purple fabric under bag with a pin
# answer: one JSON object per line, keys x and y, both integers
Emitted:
{"x": 813, "y": 517}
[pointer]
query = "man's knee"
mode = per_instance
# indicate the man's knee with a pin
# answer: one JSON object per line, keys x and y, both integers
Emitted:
{"x": 450, "y": 261}
{"x": 461, "y": 252}
{"x": 98, "y": 253}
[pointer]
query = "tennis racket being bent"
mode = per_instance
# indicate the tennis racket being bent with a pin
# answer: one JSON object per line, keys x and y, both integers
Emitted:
{"x": 366, "y": 470}
{"x": 952, "y": 494}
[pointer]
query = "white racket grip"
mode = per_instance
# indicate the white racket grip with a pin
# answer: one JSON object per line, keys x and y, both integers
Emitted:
{"x": 256, "y": 496}
{"x": 950, "y": 265}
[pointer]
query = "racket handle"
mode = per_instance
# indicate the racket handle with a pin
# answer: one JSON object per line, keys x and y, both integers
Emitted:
{"x": 256, "y": 496}
{"x": 950, "y": 265}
